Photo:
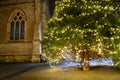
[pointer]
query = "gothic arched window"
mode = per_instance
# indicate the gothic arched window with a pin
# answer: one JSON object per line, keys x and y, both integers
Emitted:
{"x": 17, "y": 25}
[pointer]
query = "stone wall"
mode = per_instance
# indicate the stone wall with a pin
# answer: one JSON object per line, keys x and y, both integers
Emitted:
{"x": 17, "y": 51}
{"x": 27, "y": 50}
{"x": 5, "y": 12}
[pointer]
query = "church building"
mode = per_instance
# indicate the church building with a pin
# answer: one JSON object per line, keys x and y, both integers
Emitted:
{"x": 22, "y": 23}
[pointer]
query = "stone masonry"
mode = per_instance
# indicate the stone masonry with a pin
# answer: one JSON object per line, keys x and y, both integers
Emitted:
{"x": 27, "y": 50}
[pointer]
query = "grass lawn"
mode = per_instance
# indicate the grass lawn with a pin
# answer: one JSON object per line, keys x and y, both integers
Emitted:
{"x": 45, "y": 73}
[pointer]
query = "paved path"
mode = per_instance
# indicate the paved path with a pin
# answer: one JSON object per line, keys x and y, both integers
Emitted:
{"x": 8, "y": 70}
{"x": 60, "y": 72}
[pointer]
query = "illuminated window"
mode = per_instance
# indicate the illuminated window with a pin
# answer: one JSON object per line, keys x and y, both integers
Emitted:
{"x": 17, "y": 27}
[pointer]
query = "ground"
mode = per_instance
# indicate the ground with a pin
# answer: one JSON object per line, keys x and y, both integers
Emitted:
{"x": 68, "y": 73}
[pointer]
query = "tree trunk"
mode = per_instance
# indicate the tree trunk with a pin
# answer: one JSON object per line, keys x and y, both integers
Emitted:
{"x": 86, "y": 62}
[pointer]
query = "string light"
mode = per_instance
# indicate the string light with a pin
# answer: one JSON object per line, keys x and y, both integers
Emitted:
{"x": 85, "y": 30}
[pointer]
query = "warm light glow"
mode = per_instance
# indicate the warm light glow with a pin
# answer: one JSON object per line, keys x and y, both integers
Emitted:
{"x": 99, "y": 48}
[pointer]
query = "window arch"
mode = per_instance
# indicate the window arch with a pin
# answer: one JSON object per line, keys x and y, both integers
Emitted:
{"x": 17, "y": 25}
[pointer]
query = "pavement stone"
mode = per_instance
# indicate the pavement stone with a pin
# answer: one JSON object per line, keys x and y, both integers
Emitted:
{"x": 11, "y": 69}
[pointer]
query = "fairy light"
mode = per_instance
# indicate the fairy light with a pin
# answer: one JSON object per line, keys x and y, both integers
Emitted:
{"x": 112, "y": 38}
{"x": 118, "y": 37}
{"x": 77, "y": 57}
{"x": 83, "y": 14}
{"x": 107, "y": 47}
{"x": 91, "y": 10}
{"x": 94, "y": 11}
{"x": 99, "y": 48}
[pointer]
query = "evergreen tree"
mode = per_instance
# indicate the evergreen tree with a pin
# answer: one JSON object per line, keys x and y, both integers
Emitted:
{"x": 90, "y": 28}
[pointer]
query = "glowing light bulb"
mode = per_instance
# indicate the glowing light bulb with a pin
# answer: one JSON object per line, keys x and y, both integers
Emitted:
{"x": 112, "y": 38}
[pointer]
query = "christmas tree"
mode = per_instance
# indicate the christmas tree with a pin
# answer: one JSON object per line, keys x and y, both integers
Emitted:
{"x": 90, "y": 28}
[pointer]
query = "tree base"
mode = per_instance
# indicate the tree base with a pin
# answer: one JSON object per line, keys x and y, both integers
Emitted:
{"x": 86, "y": 68}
